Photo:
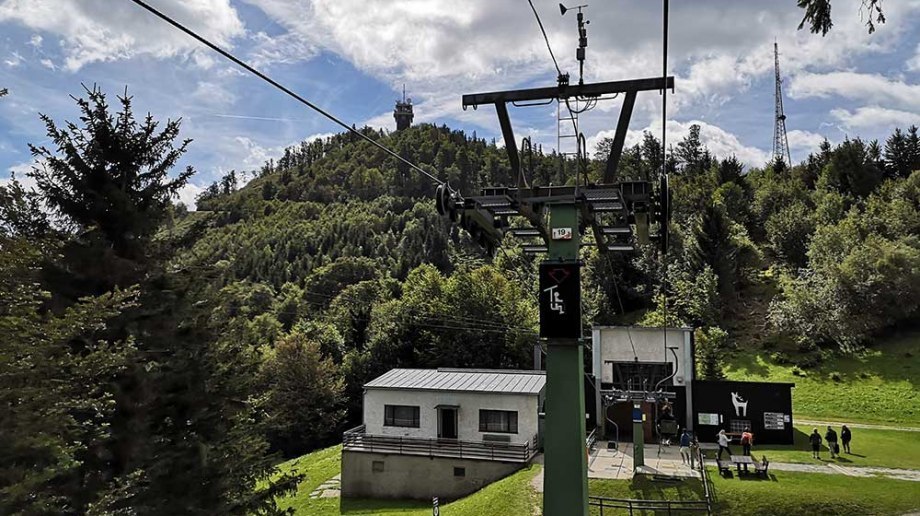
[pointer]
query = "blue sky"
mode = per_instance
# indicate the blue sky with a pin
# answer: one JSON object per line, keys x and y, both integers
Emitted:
{"x": 353, "y": 56}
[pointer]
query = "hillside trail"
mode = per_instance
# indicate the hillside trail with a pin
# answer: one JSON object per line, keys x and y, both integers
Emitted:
{"x": 817, "y": 422}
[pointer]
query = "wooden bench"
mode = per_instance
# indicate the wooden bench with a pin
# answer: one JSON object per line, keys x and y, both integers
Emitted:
{"x": 762, "y": 467}
{"x": 725, "y": 467}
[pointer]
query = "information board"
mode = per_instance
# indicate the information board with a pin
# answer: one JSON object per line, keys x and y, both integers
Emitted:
{"x": 707, "y": 419}
{"x": 560, "y": 300}
{"x": 774, "y": 421}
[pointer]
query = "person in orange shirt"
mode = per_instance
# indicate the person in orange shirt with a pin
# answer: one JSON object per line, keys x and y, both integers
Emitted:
{"x": 747, "y": 439}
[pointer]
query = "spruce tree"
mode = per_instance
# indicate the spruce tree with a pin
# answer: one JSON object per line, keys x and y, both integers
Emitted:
{"x": 181, "y": 434}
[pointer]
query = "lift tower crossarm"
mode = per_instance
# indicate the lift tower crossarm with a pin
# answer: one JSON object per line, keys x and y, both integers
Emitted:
{"x": 562, "y": 92}
{"x": 573, "y": 90}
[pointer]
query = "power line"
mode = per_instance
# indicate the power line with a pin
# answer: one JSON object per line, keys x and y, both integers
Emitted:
{"x": 540, "y": 23}
{"x": 276, "y": 84}
{"x": 664, "y": 166}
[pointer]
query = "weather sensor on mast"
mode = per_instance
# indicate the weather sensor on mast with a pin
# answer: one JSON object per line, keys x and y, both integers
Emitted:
{"x": 582, "y": 39}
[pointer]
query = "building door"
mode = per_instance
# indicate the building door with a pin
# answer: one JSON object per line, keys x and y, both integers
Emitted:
{"x": 447, "y": 423}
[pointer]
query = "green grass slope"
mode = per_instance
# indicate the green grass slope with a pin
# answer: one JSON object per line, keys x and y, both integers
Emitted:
{"x": 511, "y": 495}
{"x": 878, "y": 386}
{"x": 785, "y": 493}
{"x": 871, "y": 448}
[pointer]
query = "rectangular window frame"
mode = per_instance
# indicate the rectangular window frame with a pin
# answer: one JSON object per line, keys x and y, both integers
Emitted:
{"x": 498, "y": 421}
{"x": 390, "y": 416}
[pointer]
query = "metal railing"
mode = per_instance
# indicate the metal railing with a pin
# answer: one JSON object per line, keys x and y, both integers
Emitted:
{"x": 668, "y": 506}
{"x": 591, "y": 440}
{"x": 708, "y": 493}
{"x": 631, "y": 505}
{"x": 357, "y": 439}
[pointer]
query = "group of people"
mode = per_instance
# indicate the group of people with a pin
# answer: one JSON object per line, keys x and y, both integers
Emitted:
{"x": 747, "y": 440}
{"x": 830, "y": 437}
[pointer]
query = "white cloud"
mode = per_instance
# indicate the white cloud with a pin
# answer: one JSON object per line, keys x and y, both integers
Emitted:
{"x": 49, "y": 64}
{"x": 36, "y": 41}
{"x": 188, "y": 193}
{"x": 872, "y": 88}
{"x": 718, "y": 48}
{"x": 107, "y": 31}
{"x": 913, "y": 65}
{"x": 284, "y": 49}
{"x": 14, "y": 60}
{"x": 877, "y": 117}
{"x": 805, "y": 141}
{"x": 720, "y": 142}
{"x": 213, "y": 94}
{"x": 18, "y": 172}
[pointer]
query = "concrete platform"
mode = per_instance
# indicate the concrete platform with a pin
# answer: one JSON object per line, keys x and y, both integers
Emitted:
{"x": 618, "y": 464}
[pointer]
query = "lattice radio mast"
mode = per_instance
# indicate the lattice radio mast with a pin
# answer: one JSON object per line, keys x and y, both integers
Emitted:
{"x": 780, "y": 141}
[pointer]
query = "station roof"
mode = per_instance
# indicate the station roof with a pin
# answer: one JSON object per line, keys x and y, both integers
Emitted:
{"x": 508, "y": 381}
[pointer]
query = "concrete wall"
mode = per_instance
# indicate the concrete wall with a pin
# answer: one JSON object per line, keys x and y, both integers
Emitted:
{"x": 469, "y": 404}
{"x": 612, "y": 343}
{"x": 408, "y": 476}
{"x": 649, "y": 347}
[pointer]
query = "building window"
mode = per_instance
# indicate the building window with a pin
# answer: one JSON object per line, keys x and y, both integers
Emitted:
{"x": 505, "y": 421}
{"x": 377, "y": 466}
{"x": 459, "y": 472}
{"x": 400, "y": 415}
{"x": 738, "y": 425}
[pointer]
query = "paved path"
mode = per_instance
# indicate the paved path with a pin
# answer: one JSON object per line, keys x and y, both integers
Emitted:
{"x": 858, "y": 425}
{"x": 852, "y": 471}
{"x": 331, "y": 488}
{"x": 618, "y": 465}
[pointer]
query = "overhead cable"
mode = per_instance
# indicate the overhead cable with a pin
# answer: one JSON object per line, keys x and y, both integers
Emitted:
{"x": 540, "y": 23}
{"x": 281, "y": 87}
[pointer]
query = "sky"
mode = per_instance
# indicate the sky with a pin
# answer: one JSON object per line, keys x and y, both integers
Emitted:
{"x": 353, "y": 57}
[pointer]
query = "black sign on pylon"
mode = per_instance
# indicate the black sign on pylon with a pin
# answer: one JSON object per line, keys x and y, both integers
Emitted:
{"x": 560, "y": 300}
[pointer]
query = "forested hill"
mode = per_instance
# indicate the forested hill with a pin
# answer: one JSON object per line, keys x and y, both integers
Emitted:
{"x": 340, "y": 246}
{"x": 148, "y": 349}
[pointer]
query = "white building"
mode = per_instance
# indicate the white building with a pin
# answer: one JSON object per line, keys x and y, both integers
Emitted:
{"x": 442, "y": 432}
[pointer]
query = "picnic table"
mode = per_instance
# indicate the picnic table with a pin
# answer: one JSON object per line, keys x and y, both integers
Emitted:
{"x": 739, "y": 460}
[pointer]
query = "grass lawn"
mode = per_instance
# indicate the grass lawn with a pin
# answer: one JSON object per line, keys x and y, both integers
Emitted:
{"x": 871, "y": 447}
{"x": 876, "y": 387}
{"x": 786, "y": 493}
{"x": 511, "y": 495}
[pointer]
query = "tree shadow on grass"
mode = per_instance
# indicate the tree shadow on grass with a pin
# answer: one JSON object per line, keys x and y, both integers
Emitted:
{"x": 356, "y": 506}
{"x": 647, "y": 488}
{"x": 748, "y": 362}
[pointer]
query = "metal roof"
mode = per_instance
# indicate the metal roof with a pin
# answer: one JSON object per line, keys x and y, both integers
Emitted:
{"x": 469, "y": 380}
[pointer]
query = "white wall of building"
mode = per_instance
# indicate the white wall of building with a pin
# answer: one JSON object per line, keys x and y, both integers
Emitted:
{"x": 622, "y": 344}
{"x": 469, "y": 404}
{"x": 613, "y": 344}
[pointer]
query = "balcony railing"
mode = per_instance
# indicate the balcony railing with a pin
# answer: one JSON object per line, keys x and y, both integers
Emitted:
{"x": 357, "y": 440}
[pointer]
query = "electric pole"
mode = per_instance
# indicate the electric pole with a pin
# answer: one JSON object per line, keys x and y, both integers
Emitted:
{"x": 616, "y": 214}
{"x": 780, "y": 141}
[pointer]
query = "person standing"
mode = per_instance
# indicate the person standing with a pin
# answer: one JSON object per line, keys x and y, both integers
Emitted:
{"x": 694, "y": 450}
{"x": 845, "y": 437}
{"x": 723, "y": 443}
{"x": 815, "y": 440}
{"x": 747, "y": 439}
{"x": 685, "y": 447}
{"x": 831, "y": 438}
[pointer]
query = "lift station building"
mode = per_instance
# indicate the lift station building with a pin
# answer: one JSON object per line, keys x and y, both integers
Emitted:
{"x": 658, "y": 359}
